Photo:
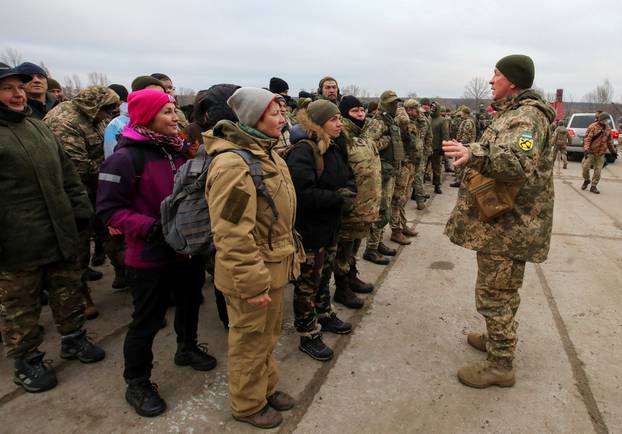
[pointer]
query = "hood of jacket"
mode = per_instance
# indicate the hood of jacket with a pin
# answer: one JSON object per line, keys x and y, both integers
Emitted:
{"x": 527, "y": 97}
{"x": 227, "y": 135}
{"x": 90, "y": 100}
{"x": 312, "y": 130}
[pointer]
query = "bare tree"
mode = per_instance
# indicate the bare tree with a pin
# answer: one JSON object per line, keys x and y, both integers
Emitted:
{"x": 355, "y": 90}
{"x": 98, "y": 79}
{"x": 411, "y": 94}
{"x": 11, "y": 57}
{"x": 477, "y": 89}
{"x": 602, "y": 94}
{"x": 72, "y": 86}
{"x": 185, "y": 91}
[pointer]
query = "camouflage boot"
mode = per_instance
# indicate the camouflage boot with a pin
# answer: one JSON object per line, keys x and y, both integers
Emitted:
{"x": 398, "y": 237}
{"x": 477, "y": 340}
{"x": 481, "y": 375}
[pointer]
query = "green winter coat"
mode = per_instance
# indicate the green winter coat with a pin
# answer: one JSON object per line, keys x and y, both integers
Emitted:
{"x": 42, "y": 195}
{"x": 514, "y": 150}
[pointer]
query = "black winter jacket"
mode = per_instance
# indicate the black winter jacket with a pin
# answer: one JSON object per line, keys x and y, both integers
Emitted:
{"x": 319, "y": 204}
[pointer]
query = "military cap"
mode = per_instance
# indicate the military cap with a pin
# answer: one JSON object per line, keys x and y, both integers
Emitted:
{"x": 411, "y": 103}
{"x": 465, "y": 109}
{"x": 7, "y": 71}
{"x": 388, "y": 96}
{"x": 53, "y": 84}
{"x": 425, "y": 101}
{"x": 141, "y": 82}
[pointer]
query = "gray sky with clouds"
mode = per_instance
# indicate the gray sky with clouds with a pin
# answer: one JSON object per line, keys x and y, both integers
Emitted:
{"x": 433, "y": 48}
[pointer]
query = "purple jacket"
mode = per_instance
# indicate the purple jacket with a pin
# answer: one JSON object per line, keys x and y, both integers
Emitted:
{"x": 130, "y": 201}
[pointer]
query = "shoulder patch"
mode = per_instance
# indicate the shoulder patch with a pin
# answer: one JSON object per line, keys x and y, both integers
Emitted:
{"x": 235, "y": 205}
{"x": 525, "y": 141}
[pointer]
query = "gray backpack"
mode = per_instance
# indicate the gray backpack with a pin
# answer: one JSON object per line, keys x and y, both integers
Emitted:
{"x": 184, "y": 213}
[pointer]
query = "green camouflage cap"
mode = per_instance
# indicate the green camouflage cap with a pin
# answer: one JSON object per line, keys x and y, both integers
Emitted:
{"x": 388, "y": 96}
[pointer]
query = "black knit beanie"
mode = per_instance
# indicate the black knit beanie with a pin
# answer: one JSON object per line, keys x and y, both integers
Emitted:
{"x": 519, "y": 69}
{"x": 278, "y": 85}
{"x": 120, "y": 90}
{"x": 348, "y": 103}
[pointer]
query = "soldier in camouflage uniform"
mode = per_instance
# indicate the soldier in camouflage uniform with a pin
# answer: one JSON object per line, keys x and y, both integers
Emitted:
{"x": 424, "y": 139}
{"x": 43, "y": 204}
{"x": 405, "y": 181}
{"x": 465, "y": 134}
{"x": 561, "y": 139}
{"x": 440, "y": 132}
{"x": 79, "y": 127}
{"x": 515, "y": 153}
{"x": 385, "y": 131}
{"x": 364, "y": 161}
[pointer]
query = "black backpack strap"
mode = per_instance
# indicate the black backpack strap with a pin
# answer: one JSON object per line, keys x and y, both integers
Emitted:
{"x": 254, "y": 166}
{"x": 137, "y": 153}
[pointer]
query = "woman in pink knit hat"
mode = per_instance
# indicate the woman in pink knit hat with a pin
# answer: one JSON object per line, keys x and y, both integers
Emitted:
{"x": 133, "y": 181}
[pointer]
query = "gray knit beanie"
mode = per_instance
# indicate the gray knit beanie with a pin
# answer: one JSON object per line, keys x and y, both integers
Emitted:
{"x": 322, "y": 110}
{"x": 250, "y": 103}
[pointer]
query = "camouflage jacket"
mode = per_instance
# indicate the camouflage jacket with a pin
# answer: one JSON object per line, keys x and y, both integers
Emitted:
{"x": 466, "y": 130}
{"x": 76, "y": 129}
{"x": 514, "y": 150}
{"x": 425, "y": 133}
{"x": 454, "y": 127}
{"x": 365, "y": 163}
{"x": 386, "y": 132}
{"x": 561, "y": 138}
{"x": 597, "y": 139}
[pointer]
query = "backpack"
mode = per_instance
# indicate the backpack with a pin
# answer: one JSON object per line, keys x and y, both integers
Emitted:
{"x": 184, "y": 213}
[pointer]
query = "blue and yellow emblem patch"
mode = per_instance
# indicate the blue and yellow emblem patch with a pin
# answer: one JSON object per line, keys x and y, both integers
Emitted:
{"x": 525, "y": 141}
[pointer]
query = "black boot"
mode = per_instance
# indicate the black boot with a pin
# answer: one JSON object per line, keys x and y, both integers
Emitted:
{"x": 143, "y": 395}
{"x": 93, "y": 275}
{"x": 99, "y": 256}
{"x": 437, "y": 189}
{"x": 78, "y": 346}
{"x": 344, "y": 295}
{"x": 386, "y": 250}
{"x": 333, "y": 324}
{"x": 194, "y": 355}
{"x": 375, "y": 257}
{"x": 315, "y": 347}
{"x": 119, "y": 281}
{"x": 33, "y": 374}
{"x": 356, "y": 284}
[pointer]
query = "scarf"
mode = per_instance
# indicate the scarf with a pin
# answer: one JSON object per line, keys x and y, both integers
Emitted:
{"x": 172, "y": 144}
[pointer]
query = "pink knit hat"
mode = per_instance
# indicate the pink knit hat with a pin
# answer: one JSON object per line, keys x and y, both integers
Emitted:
{"x": 143, "y": 105}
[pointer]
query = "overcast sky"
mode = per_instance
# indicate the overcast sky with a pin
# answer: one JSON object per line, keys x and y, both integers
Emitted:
{"x": 429, "y": 47}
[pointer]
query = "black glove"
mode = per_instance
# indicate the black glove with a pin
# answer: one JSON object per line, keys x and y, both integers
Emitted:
{"x": 155, "y": 234}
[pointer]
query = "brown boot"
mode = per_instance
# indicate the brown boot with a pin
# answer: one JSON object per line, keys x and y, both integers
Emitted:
{"x": 481, "y": 375}
{"x": 477, "y": 340}
{"x": 281, "y": 401}
{"x": 344, "y": 295}
{"x": 375, "y": 257}
{"x": 265, "y": 418}
{"x": 398, "y": 237}
{"x": 356, "y": 284}
{"x": 410, "y": 232}
{"x": 90, "y": 311}
{"x": 385, "y": 250}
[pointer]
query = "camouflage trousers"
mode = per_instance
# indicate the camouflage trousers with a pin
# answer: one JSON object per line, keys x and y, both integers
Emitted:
{"x": 384, "y": 216}
{"x": 20, "y": 304}
{"x": 346, "y": 256}
{"x": 419, "y": 174}
{"x": 598, "y": 161}
{"x": 311, "y": 290}
{"x": 404, "y": 183}
{"x": 561, "y": 150}
{"x": 497, "y": 300}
